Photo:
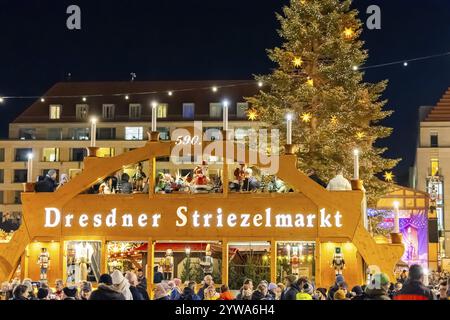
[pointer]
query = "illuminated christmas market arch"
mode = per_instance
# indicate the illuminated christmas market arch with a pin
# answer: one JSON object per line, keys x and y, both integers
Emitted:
{"x": 310, "y": 213}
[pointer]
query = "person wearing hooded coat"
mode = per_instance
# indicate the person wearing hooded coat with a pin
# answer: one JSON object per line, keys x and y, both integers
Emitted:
{"x": 332, "y": 290}
{"x": 379, "y": 288}
{"x": 105, "y": 290}
{"x": 290, "y": 293}
{"x": 189, "y": 293}
{"x": 121, "y": 284}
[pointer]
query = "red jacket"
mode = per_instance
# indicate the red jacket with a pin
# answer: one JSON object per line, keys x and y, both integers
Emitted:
{"x": 226, "y": 296}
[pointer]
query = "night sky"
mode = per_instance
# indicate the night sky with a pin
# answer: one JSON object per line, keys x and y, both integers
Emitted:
{"x": 204, "y": 39}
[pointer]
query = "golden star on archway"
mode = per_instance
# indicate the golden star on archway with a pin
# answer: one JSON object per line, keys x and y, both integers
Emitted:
{"x": 360, "y": 135}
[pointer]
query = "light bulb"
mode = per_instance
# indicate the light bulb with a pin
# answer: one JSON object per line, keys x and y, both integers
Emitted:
{"x": 170, "y": 93}
{"x": 214, "y": 89}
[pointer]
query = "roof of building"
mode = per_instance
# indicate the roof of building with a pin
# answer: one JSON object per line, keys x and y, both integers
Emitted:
{"x": 441, "y": 112}
{"x": 69, "y": 94}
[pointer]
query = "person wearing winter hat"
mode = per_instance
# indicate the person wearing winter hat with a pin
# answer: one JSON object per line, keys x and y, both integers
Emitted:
{"x": 378, "y": 288}
{"x": 272, "y": 290}
{"x": 27, "y": 283}
{"x": 161, "y": 293}
{"x": 43, "y": 294}
{"x": 320, "y": 294}
{"x": 121, "y": 284}
{"x": 358, "y": 293}
{"x": 85, "y": 290}
{"x": 70, "y": 293}
{"x": 340, "y": 295}
{"x": 176, "y": 289}
{"x": 105, "y": 290}
{"x": 133, "y": 281}
{"x": 189, "y": 292}
{"x": 261, "y": 293}
{"x": 306, "y": 292}
{"x": 332, "y": 290}
{"x": 290, "y": 293}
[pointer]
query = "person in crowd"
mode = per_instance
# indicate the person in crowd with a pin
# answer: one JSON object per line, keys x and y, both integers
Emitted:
{"x": 320, "y": 294}
{"x": 59, "y": 286}
{"x": 332, "y": 290}
{"x": 20, "y": 292}
{"x": 85, "y": 290}
{"x": 272, "y": 290}
{"x": 70, "y": 293}
{"x": 340, "y": 295}
{"x": 208, "y": 282}
{"x": 379, "y": 287}
{"x": 189, "y": 292}
{"x": 158, "y": 276}
{"x": 5, "y": 291}
{"x": 443, "y": 290}
{"x": 142, "y": 284}
{"x": 121, "y": 284}
{"x": 161, "y": 292}
{"x": 133, "y": 281}
{"x": 105, "y": 290}
{"x": 403, "y": 277}
{"x": 290, "y": 293}
{"x": 125, "y": 186}
{"x": 398, "y": 288}
{"x": 261, "y": 293}
{"x": 413, "y": 288}
{"x": 48, "y": 184}
{"x": 306, "y": 292}
{"x": 27, "y": 283}
{"x": 43, "y": 294}
{"x": 245, "y": 293}
{"x": 358, "y": 293}
{"x": 176, "y": 290}
{"x": 63, "y": 180}
{"x": 225, "y": 293}
{"x": 210, "y": 293}
{"x": 279, "y": 290}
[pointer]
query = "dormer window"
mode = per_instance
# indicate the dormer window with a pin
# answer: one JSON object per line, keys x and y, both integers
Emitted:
{"x": 82, "y": 111}
{"x": 55, "y": 111}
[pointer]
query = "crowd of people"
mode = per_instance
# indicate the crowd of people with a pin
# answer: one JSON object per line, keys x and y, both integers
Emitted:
{"x": 133, "y": 286}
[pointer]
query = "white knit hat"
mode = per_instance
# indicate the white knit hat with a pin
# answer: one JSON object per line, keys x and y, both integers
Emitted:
{"x": 117, "y": 277}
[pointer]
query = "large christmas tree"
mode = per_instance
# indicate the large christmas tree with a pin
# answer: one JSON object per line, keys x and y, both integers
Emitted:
{"x": 318, "y": 81}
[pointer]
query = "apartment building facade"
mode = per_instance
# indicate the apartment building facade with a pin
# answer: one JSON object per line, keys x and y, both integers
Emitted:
{"x": 56, "y": 128}
{"x": 432, "y": 167}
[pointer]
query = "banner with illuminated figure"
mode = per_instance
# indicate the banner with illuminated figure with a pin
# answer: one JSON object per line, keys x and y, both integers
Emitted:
{"x": 167, "y": 265}
{"x": 207, "y": 264}
{"x": 338, "y": 261}
{"x": 44, "y": 263}
{"x": 295, "y": 261}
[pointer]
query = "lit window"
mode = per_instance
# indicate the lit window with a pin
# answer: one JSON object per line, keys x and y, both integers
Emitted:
{"x": 215, "y": 110}
{"x": 162, "y": 110}
{"x": 134, "y": 133}
{"x": 82, "y": 111}
{"x": 188, "y": 110}
{"x": 105, "y": 152}
{"x": 108, "y": 111}
{"x": 27, "y": 134}
{"x": 50, "y": 154}
{"x": 135, "y": 111}
{"x": 434, "y": 167}
{"x": 55, "y": 111}
{"x": 79, "y": 133}
{"x": 241, "y": 111}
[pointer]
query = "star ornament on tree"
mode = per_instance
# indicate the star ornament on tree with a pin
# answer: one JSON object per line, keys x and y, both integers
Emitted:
{"x": 306, "y": 117}
{"x": 349, "y": 33}
{"x": 297, "y": 62}
{"x": 388, "y": 176}
{"x": 252, "y": 114}
{"x": 360, "y": 135}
